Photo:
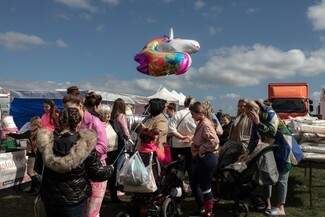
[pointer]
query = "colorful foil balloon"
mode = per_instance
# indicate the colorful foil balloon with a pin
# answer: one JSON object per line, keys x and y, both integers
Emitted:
{"x": 166, "y": 56}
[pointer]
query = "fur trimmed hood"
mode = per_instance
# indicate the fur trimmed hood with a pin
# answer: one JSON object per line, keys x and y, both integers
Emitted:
{"x": 77, "y": 155}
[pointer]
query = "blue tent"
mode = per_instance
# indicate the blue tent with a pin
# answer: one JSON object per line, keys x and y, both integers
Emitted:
{"x": 29, "y": 103}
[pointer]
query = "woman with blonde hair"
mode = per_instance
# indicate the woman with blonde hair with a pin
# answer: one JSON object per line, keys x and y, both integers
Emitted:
{"x": 205, "y": 160}
{"x": 35, "y": 124}
{"x": 241, "y": 129}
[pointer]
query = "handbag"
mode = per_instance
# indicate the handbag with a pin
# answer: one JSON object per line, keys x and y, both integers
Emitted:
{"x": 134, "y": 171}
{"x": 149, "y": 186}
{"x": 39, "y": 209}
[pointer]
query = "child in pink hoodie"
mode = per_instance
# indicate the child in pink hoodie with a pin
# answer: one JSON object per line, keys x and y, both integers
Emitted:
{"x": 148, "y": 144}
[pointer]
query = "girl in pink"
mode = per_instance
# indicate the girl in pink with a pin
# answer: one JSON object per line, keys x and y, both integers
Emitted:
{"x": 73, "y": 100}
{"x": 50, "y": 119}
{"x": 148, "y": 144}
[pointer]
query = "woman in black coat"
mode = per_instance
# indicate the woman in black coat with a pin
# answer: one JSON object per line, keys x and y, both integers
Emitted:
{"x": 70, "y": 162}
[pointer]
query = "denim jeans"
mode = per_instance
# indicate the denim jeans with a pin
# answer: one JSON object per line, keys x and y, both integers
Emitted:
{"x": 64, "y": 211}
{"x": 282, "y": 186}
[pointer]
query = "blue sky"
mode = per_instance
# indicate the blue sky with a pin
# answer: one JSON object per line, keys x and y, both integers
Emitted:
{"x": 51, "y": 44}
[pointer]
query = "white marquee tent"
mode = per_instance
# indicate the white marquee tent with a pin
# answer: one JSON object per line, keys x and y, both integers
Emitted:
{"x": 166, "y": 95}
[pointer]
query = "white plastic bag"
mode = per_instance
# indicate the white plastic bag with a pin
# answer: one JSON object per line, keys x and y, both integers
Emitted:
{"x": 134, "y": 172}
{"x": 149, "y": 186}
{"x": 121, "y": 162}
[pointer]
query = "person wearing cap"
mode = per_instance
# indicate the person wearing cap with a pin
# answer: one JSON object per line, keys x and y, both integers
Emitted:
{"x": 269, "y": 128}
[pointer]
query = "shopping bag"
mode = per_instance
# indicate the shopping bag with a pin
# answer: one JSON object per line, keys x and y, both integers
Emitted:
{"x": 134, "y": 171}
{"x": 122, "y": 160}
{"x": 147, "y": 187}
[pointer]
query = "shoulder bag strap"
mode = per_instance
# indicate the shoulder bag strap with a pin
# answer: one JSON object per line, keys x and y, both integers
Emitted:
{"x": 182, "y": 120}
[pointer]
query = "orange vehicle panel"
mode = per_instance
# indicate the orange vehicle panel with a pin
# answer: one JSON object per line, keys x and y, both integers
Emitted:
{"x": 288, "y": 90}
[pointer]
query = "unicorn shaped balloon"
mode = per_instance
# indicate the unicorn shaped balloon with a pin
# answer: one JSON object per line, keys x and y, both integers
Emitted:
{"x": 166, "y": 56}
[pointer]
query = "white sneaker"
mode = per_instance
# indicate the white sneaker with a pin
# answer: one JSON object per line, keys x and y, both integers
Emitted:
{"x": 120, "y": 193}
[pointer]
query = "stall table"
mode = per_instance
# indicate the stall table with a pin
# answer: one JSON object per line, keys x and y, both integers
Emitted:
{"x": 310, "y": 160}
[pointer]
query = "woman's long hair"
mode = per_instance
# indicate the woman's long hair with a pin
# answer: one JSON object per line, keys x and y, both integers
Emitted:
{"x": 53, "y": 110}
{"x": 118, "y": 107}
{"x": 35, "y": 125}
{"x": 203, "y": 108}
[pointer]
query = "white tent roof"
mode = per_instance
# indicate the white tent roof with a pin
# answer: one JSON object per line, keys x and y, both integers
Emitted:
{"x": 166, "y": 95}
{"x": 179, "y": 97}
{"x": 182, "y": 95}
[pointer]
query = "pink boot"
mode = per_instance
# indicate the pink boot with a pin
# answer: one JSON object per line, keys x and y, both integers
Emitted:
{"x": 208, "y": 208}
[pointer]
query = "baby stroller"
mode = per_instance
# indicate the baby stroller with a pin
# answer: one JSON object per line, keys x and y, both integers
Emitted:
{"x": 237, "y": 180}
{"x": 160, "y": 203}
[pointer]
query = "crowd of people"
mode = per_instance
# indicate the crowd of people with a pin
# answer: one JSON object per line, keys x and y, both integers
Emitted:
{"x": 72, "y": 155}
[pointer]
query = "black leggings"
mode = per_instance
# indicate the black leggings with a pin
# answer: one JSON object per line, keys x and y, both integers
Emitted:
{"x": 203, "y": 170}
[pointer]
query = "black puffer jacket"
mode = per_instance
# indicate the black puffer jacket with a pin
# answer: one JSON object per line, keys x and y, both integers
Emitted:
{"x": 70, "y": 162}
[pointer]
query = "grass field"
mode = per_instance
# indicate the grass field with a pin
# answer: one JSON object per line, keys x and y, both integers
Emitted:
{"x": 21, "y": 204}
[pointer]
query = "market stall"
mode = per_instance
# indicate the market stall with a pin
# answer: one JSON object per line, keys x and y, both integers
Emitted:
{"x": 13, "y": 169}
{"x": 310, "y": 134}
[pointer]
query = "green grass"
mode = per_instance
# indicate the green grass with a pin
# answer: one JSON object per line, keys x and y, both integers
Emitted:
{"x": 298, "y": 197}
{"x": 21, "y": 204}
{"x": 298, "y": 202}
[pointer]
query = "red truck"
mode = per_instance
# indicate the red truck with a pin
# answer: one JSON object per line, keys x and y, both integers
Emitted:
{"x": 290, "y": 99}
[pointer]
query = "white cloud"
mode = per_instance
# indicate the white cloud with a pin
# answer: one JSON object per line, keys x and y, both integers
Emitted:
{"x": 213, "y": 30}
{"x": 248, "y": 66}
{"x": 212, "y": 11}
{"x": 210, "y": 98}
{"x": 61, "y": 43}
{"x": 315, "y": 96}
{"x": 230, "y": 96}
{"x": 199, "y": 4}
{"x": 79, "y": 4}
{"x": 150, "y": 20}
{"x": 85, "y": 16}
{"x": 112, "y": 2}
{"x": 167, "y": 1}
{"x": 17, "y": 41}
{"x": 316, "y": 14}
{"x": 65, "y": 16}
{"x": 100, "y": 27}
{"x": 322, "y": 38}
{"x": 251, "y": 10}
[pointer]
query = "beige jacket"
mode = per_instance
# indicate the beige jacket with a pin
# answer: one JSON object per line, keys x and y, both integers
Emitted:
{"x": 159, "y": 122}
{"x": 205, "y": 138}
{"x": 243, "y": 131}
